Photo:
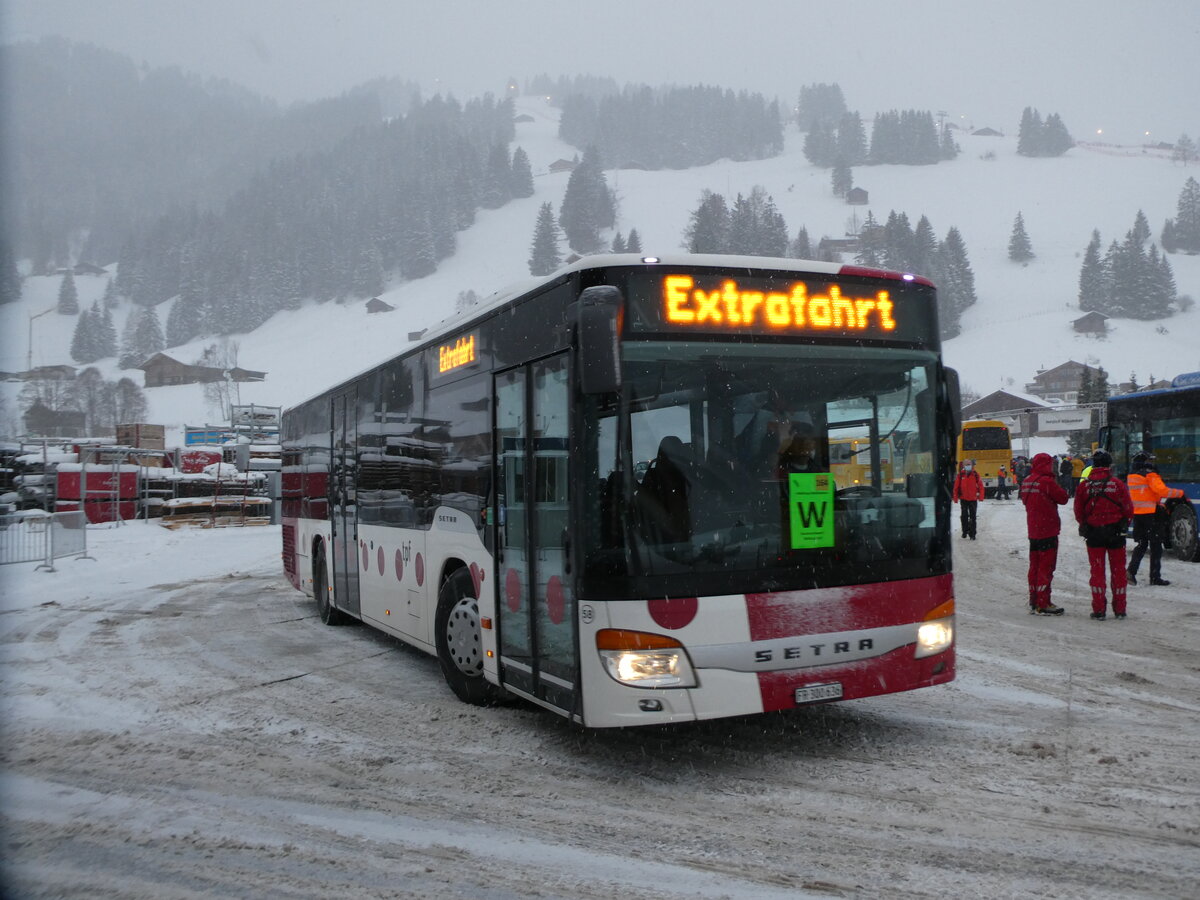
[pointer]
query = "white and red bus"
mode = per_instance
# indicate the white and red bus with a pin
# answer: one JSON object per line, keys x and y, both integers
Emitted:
{"x": 610, "y": 493}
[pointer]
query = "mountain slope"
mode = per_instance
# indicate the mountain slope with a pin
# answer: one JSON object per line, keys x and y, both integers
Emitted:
{"x": 1021, "y": 323}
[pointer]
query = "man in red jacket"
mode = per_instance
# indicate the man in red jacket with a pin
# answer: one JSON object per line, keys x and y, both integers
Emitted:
{"x": 968, "y": 488}
{"x": 1042, "y": 495}
{"x": 1103, "y": 508}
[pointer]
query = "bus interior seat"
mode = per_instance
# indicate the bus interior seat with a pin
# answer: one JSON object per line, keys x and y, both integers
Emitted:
{"x": 663, "y": 496}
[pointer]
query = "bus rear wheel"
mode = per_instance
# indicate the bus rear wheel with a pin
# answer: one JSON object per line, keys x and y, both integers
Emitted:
{"x": 1185, "y": 536}
{"x": 459, "y": 640}
{"x": 329, "y": 613}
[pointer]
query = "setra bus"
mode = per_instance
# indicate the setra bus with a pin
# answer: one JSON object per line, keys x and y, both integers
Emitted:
{"x": 610, "y": 494}
{"x": 989, "y": 443}
{"x": 1164, "y": 422}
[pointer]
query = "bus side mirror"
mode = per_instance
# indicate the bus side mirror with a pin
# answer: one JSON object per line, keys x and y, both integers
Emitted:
{"x": 954, "y": 398}
{"x": 599, "y": 311}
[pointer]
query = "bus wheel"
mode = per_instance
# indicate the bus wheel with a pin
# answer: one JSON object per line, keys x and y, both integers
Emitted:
{"x": 330, "y": 614}
{"x": 459, "y": 644}
{"x": 1185, "y": 537}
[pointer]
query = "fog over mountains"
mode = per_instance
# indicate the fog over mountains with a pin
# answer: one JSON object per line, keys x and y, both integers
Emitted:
{"x": 1021, "y": 323}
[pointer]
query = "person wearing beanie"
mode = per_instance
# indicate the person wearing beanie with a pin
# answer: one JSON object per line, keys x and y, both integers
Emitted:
{"x": 1148, "y": 492}
{"x": 1103, "y": 510}
{"x": 1042, "y": 495}
{"x": 968, "y": 488}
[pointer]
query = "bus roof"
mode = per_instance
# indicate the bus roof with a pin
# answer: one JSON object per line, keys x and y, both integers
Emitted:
{"x": 489, "y": 304}
{"x": 1188, "y": 381}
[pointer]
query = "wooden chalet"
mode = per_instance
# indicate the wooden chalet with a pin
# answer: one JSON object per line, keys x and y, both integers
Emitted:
{"x": 162, "y": 370}
{"x": 1092, "y": 323}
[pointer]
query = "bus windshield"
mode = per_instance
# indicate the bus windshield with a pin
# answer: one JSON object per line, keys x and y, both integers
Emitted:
{"x": 987, "y": 437}
{"x": 714, "y": 471}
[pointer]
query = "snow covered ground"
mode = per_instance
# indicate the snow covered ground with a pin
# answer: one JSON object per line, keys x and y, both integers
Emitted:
{"x": 178, "y": 723}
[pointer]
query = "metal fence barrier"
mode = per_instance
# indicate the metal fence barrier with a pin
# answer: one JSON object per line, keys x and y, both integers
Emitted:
{"x": 45, "y": 537}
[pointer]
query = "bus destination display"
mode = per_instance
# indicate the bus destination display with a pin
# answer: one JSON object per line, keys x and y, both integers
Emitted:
{"x": 677, "y": 302}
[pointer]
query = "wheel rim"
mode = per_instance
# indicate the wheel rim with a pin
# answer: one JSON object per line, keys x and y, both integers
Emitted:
{"x": 462, "y": 637}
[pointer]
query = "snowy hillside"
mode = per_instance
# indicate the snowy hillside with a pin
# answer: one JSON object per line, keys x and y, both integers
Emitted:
{"x": 1021, "y": 323}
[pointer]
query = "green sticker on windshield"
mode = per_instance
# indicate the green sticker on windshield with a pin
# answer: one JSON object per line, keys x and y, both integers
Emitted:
{"x": 810, "y": 502}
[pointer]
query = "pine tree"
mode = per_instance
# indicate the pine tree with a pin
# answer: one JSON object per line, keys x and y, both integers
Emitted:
{"x": 1141, "y": 228}
{"x": 1184, "y": 150}
{"x": 851, "y": 144}
{"x": 1029, "y": 133}
{"x": 129, "y": 401}
{"x": 497, "y": 183}
{"x": 68, "y": 296}
{"x": 1121, "y": 269}
{"x": 10, "y": 277}
{"x": 955, "y": 281}
{"x": 819, "y": 103}
{"x": 1169, "y": 241}
{"x": 1160, "y": 286}
{"x": 82, "y": 350}
{"x": 587, "y": 205}
{"x": 1019, "y": 248}
{"x": 543, "y": 254}
{"x": 870, "y": 242}
{"x": 708, "y": 229}
{"x": 949, "y": 148}
{"x": 755, "y": 226}
{"x": 1056, "y": 140}
{"x": 633, "y": 243}
{"x": 110, "y": 294}
{"x": 899, "y": 242}
{"x": 105, "y": 336}
{"x": 820, "y": 145}
{"x": 618, "y": 243}
{"x": 1079, "y": 442}
{"x": 1185, "y": 229}
{"x": 522, "y": 175}
{"x": 801, "y": 247}
{"x": 843, "y": 178}
{"x": 143, "y": 337}
{"x": 1093, "y": 278}
{"x": 925, "y": 249}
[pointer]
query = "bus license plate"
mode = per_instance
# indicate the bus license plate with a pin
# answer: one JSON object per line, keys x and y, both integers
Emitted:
{"x": 815, "y": 692}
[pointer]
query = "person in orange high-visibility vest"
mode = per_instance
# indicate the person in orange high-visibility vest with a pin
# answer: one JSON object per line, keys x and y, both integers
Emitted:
{"x": 1148, "y": 492}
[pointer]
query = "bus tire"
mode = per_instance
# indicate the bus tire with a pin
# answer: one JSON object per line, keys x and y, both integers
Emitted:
{"x": 329, "y": 613}
{"x": 1185, "y": 536}
{"x": 459, "y": 640}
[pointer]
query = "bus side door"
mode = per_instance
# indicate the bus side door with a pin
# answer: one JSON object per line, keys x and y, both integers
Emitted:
{"x": 536, "y": 606}
{"x": 344, "y": 511}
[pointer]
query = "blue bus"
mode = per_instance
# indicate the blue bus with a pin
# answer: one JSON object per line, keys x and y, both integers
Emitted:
{"x": 1165, "y": 422}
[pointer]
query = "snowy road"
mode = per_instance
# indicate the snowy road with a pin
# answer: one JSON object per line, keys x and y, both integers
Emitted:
{"x": 178, "y": 723}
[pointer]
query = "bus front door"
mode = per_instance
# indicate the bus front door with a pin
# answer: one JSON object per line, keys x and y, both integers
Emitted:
{"x": 535, "y": 606}
{"x": 344, "y": 513}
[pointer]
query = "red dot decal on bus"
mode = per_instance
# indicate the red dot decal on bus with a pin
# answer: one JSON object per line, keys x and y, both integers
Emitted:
{"x": 674, "y": 612}
{"x": 366, "y": 557}
{"x": 420, "y": 570}
{"x": 512, "y": 589}
{"x": 380, "y": 561}
{"x": 476, "y": 577}
{"x": 555, "y": 602}
{"x": 399, "y": 566}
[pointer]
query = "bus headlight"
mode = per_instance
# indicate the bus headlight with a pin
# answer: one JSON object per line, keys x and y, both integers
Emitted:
{"x": 639, "y": 659}
{"x": 934, "y": 637}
